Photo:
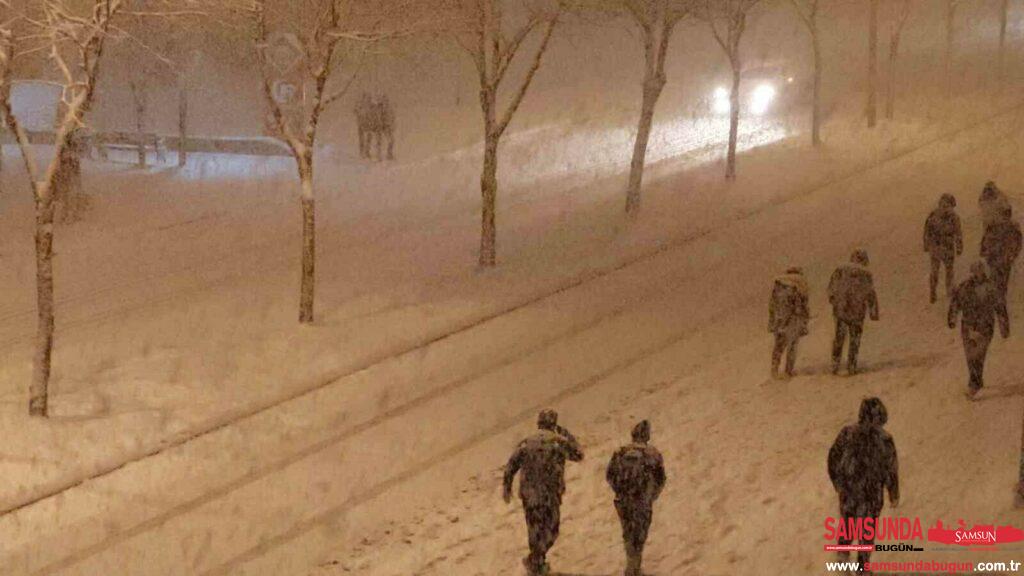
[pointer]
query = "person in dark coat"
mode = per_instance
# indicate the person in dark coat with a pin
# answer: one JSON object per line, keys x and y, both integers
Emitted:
{"x": 943, "y": 241}
{"x": 1000, "y": 247}
{"x": 636, "y": 474}
{"x": 992, "y": 203}
{"x": 541, "y": 459}
{"x": 862, "y": 465}
{"x": 851, "y": 291}
{"x": 978, "y": 302}
{"x": 788, "y": 315}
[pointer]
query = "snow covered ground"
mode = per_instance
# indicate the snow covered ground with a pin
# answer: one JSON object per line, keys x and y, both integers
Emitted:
{"x": 281, "y": 448}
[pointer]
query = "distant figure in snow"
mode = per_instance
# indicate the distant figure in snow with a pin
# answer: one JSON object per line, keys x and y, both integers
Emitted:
{"x": 851, "y": 291}
{"x": 992, "y": 203}
{"x": 862, "y": 465}
{"x": 944, "y": 241}
{"x": 1000, "y": 247}
{"x": 978, "y": 301}
{"x": 541, "y": 458}
{"x": 636, "y": 474}
{"x": 788, "y": 316}
{"x": 375, "y": 119}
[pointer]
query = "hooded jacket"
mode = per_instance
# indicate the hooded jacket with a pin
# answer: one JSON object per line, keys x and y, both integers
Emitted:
{"x": 979, "y": 303}
{"x": 862, "y": 462}
{"x": 851, "y": 291}
{"x": 541, "y": 459}
{"x": 943, "y": 234}
{"x": 1001, "y": 243}
{"x": 788, "y": 310}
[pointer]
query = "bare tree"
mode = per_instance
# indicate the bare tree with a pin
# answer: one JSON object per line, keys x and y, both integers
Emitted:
{"x": 493, "y": 40}
{"x": 728, "y": 21}
{"x": 140, "y": 99}
{"x": 325, "y": 37}
{"x": 899, "y": 20}
{"x": 655, "y": 20}
{"x": 808, "y": 11}
{"x": 1004, "y": 16}
{"x": 74, "y": 44}
{"x": 871, "y": 110}
{"x": 949, "y": 51}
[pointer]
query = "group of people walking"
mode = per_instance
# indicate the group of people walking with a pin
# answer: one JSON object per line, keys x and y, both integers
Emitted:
{"x": 851, "y": 291}
{"x": 635, "y": 473}
{"x": 862, "y": 462}
{"x": 978, "y": 302}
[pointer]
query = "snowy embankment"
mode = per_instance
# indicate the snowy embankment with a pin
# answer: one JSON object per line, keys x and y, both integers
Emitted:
{"x": 203, "y": 357}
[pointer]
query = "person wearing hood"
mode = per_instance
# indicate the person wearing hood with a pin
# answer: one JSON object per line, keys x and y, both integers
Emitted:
{"x": 851, "y": 291}
{"x": 636, "y": 473}
{"x": 788, "y": 315}
{"x": 862, "y": 465}
{"x": 1000, "y": 247}
{"x": 943, "y": 241}
{"x": 992, "y": 203}
{"x": 541, "y": 459}
{"x": 978, "y": 302}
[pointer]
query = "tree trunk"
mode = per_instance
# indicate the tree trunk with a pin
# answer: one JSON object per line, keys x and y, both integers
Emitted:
{"x": 489, "y": 196}
{"x": 38, "y": 392}
{"x": 68, "y": 199}
{"x": 182, "y": 125}
{"x": 308, "y": 239}
{"x": 734, "y": 120}
{"x": 653, "y": 85}
{"x": 1004, "y": 13}
{"x": 140, "y": 123}
{"x": 890, "y": 94}
{"x": 816, "y": 96}
{"x": 872, "y": 106}
{"x": 947, "y": 72}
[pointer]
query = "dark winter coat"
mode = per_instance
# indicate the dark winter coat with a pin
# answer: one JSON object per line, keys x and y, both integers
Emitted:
{"x": 993, "y": 204}
{"x": 636, "y": 472}
{"x": 943, "y": 235}
{"x": 541, "y": 459}
{"x": 862, "y": 463}
{"x": 1001, "y": 243}
{"x": 851, "y": 291}
{"x": 979, "y": 303}
{"x": 788, "y": 312}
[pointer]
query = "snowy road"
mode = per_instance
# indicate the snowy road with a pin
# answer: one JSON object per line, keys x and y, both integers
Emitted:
{"x": 316, "y": 470}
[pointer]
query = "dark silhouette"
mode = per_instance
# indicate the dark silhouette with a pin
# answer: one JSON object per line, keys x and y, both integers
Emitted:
{"x": 1000, "y": 247}
{"x": 375, "y": 119}
{"x": 862, "y": 464}
{"x": 851, "y": 291}
{"x": 636, "y": 474}
{"x": 541, "y": 458}
{"x": 943, "y": 241}
{"x": 787, "y": 317}
{"x": 978, "y": 301}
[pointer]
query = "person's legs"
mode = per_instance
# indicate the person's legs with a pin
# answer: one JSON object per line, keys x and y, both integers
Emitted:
{"x": 949, "y": 263}
{"x": 855, "y": 332}
{"x": 777, "y": 351}
{"x": 542, "y": 521}
{"x": 933, "y": 279}
{"x": 975, "y": 350}
{"x": 837, "y": 345}
{"x": 636, "y": 521}
{"x": 791, "y": 356}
